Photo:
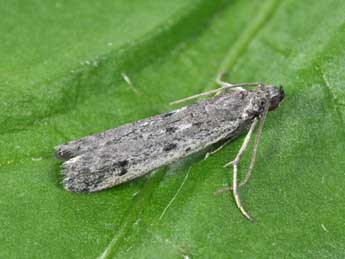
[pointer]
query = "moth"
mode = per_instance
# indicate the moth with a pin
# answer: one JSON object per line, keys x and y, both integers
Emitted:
{"x": 119, "y": 155}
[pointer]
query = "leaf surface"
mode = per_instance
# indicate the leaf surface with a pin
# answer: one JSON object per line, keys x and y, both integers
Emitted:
{"x": 62, "y": 70}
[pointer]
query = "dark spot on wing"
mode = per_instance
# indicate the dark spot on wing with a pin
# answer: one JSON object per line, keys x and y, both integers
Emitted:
{"x": 197, "y": 124}
{"x": 121, "y": 166}
{"x": 123, "y": 163}
{"x": 170, "y": 129}
{"x": 169, "y": 147}
{"x": 187, "y": 149}
{"x": 123, "y": 171}
{"x": 168, "y": 114}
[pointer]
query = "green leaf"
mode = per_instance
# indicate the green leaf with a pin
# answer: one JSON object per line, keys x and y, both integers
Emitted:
{"x": 62, "y": 66}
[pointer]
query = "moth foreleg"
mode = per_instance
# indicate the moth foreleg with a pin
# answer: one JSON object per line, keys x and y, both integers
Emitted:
{"x": 208, "y": 154}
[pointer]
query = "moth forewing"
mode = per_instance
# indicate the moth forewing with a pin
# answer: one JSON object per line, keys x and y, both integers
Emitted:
{"x": 121, "y": 154}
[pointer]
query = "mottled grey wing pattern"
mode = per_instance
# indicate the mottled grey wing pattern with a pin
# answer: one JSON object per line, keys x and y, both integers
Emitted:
{"x": 118, "y": 155}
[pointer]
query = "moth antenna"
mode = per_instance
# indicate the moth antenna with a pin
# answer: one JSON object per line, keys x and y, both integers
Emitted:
{"x": 225, "y": 86}
{"x": 236, "y": 195}
{"x": 196, "y": 96}
{"x": 222, "y": 83}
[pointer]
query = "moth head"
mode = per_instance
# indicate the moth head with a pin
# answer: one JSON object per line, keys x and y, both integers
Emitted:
{"x": 275, "y": 94}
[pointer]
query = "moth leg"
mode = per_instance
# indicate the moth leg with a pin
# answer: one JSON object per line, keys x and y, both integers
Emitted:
{"x": 236, "y": 195}
{"x": 253, "y": 157}
{"x": 255, "y": 147}
{"x": 252, "y": 161}
{"x": 221, "y": 190}
{"x": 235, "y": 163}
{"x": 235, "y": 168}
{"x": 208, "y": 154}
{"x": 244, "y": 145}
